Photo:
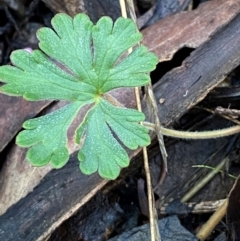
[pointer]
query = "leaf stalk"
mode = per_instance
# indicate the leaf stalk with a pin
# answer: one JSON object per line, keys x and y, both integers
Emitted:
{"x": 195, "y": 135}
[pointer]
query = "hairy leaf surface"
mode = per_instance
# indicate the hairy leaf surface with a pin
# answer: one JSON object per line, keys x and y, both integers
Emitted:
{"x": 80, "y": 62}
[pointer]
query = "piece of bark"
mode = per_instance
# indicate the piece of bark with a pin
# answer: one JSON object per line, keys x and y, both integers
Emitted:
{"x": 166, "y": 8}
{"x": 95, "y": 9}
{"x": 159, "y": 10}
{"x": 58, "y": 196}
{"x": 13, "y": 112}
{"x": 108, "y": 214}
{"x": 25, "y": 210}
{"x": 66, "y": 187}
{"x": 188, "y": 29}
{"x": 207, "y": 66}
{"x": 142, "y": 21}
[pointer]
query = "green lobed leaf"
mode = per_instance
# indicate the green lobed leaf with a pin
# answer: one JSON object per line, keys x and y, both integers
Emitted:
{"x": 38, "y": 78}
{"x": 47, "y": 136}
{"x": 101, "y": 151}
{"x": 79, "y": 62}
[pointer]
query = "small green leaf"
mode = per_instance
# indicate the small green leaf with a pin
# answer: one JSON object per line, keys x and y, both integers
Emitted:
{"x": 80, "y": 62}
{"x": 38, "y": 78}
{"x": 101, "y": 151}
{"x": 48, "y": 136}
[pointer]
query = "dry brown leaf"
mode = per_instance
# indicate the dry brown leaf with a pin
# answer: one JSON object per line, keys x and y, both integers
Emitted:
{"x": 13, "y": 112}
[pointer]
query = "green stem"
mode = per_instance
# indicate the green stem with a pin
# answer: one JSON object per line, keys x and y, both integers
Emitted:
{"x": 196, "y": 135}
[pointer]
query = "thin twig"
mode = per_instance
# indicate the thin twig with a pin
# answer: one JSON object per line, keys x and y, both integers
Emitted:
{"x": 208, "y": 227}
{"x": 152, "y": 107}
{"x": 213, "y": 168}
{"x": 153, "y": 115}
{"x": 195, "y": 207}
{"x": 213, "y": 112}
{"x": 145, "y": 155}
{"x": 123, "y": 8}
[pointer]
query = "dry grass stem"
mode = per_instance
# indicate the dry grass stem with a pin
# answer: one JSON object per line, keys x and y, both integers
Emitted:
{"x": 208, "y": 227}
{"x": 155, "y": 234}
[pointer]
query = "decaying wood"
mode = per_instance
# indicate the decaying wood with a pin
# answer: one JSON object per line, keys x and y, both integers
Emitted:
{"x": 63, "y": 191}
{"x": 60, "y": 188}
{"x": 94, "y": 8}
{"x": 161, "y": 10}
{"x": 188, "y": 29}
{"x": 184, "y": 87}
